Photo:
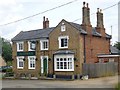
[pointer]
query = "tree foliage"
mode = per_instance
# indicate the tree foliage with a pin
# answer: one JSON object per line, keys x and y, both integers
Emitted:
{"x": 6, "y": 50}
{"x": 117, "y": 45}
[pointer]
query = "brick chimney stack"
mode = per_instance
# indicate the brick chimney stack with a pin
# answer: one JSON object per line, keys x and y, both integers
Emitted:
{"x": 45, "y": 23}
{"x": 99, "y": 18}
{"x": 86, "y": 24}
{"x": 100, "y": 26}
{"x": 86, "y": 14}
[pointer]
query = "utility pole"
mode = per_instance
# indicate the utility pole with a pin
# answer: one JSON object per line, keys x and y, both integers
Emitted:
{"x": 111, "y": 34}
{"x": 0, "y": 46}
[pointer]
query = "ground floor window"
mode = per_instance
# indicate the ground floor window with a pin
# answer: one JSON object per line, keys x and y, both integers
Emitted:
{"x": 31, "y": 62}
{"x": 20, "y": 62}
{"x": 64, "y": 62}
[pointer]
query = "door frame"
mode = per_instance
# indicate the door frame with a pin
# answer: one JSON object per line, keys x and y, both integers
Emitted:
{"x": 42, "y": 63}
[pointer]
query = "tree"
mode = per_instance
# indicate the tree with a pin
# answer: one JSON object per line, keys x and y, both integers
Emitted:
{"x": 117, "y": 45}
{"x": 6, "y": 50}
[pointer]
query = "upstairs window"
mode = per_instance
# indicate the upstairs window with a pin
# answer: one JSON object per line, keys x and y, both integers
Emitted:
{"x": 44, "y": 44}
{"x": 63, "y": 42}
{"x": 63, "y": 27}
{"x": 32, "y": 45}
{"x": 20, "y": 46}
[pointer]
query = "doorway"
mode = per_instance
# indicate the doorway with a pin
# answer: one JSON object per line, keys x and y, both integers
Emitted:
{"x": 44, "y": 65}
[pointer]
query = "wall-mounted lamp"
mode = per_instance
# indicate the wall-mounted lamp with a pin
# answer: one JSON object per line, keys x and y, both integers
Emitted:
{"x": 49, "y": 59}
{"x": 24, "y": 59}
{"x": 75, "y": 59}
{"x": 36, "y": 59}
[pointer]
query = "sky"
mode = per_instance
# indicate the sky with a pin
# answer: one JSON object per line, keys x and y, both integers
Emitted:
{"x": 12, "y": 10}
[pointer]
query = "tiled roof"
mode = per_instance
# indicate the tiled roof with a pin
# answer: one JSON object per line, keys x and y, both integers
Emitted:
{"x": 33, "y": 34}
{"x": 44, "y": 33}
{"x": 78, "y": 27}
{"x": 114, "y": 50}
{"x": 95, "y": 33}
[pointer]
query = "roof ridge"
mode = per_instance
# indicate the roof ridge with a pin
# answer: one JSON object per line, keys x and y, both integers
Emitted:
{"x": 37, "y": 29}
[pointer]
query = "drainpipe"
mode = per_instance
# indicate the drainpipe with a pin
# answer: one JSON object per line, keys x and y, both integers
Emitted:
{"x": 84, "y": 51}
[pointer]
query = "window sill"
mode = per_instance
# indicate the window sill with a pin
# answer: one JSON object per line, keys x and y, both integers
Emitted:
{"x": 64, "y": 70}
{"x": 31, "y": 68}
{"x": 19, "y": 68}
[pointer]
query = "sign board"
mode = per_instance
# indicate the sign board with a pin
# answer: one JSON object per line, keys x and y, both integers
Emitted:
{"x": 30, "y": 53}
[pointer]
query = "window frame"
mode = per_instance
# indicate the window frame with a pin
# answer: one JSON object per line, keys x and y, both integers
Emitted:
{"x": 63, "y": 62}
{"x": 60, "y": 42}
{"x": 33, "y": 62}
{"x": 18, "y": 60}
{"x": 29, "y": 46}
{"x": 18, "y": 46}
{"x": 41, "y": 44}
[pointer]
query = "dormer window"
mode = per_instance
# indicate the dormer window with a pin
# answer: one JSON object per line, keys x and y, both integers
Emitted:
{"x": 63, "y": 27}
{"x": 32, "y": 45}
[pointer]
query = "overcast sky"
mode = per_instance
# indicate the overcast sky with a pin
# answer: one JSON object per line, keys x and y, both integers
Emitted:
{"x": 11, "y": 10}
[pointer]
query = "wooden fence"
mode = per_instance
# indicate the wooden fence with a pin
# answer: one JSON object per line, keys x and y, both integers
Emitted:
{"x": 100, "y": 69}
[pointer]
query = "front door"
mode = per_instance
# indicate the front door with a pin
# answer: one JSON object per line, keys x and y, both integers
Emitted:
{"x": 44, "y": 65}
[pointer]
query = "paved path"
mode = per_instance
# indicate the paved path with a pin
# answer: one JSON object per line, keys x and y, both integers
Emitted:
{"x": 105, "y": 82}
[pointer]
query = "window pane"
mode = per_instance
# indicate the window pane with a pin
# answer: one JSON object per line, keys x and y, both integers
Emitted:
{"x": 62, "y": 42}
{"x": 57, "y": 59}
{"x": 65, "y": 42}
{"x": 65, "y": 65}
{"x": 61, "y": 59}
{"x": 61, "y": 65}
{"x": 20, "y": 64}
{"x": 58, "y": 67}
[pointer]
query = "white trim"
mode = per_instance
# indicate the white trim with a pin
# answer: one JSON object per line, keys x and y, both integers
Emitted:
{"x": 41, "y": 44}
{"x": 18, "y": 46}
{"x": 42, "y": 58}
{"x": 29, "y": 62}
{"x": 63, "y": 27}
{"x": 63, "y": 56}
{"x": 63, "y": 37}
{"x": 100, "y": 56}
{"x": 18, "y": 62}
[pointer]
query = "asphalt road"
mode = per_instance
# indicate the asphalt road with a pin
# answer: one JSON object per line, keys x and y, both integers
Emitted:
{"x": 104, "y": 82}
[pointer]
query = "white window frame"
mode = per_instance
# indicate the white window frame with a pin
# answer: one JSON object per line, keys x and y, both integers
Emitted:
{"x": 41, "y": 44}
{"x": 18, "y": 43}
{"x": 18, "y": 60}
{"x": 29, "y": 62}
{"x": 63, "y": 27}
{"x": 29, "y": 49}
{"x": 63, "y": 37}
{"x": 67, "y": 65}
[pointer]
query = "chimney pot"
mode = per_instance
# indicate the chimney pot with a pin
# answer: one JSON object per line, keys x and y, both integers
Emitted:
{"x": 100, "y": 10}
{"x": 83, "y": 4}
{"x": 47, "y": 19}
{"x": 87, "y": 5}
{"x": 44, "y": 18}
{"x": 97, "y": 9}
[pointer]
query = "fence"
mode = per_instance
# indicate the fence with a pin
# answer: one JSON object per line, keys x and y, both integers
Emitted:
{"x": 100, "y": 69}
